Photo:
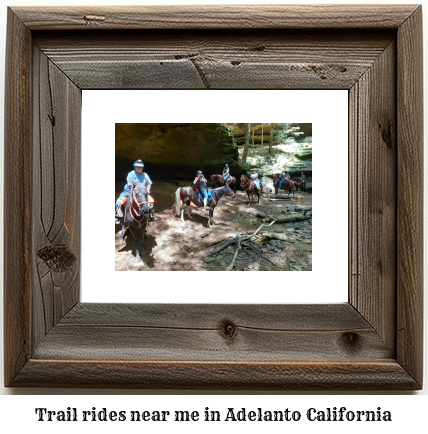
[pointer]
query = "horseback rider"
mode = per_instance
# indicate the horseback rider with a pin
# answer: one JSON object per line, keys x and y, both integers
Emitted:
{"x": 302, "y": 176}
{"x": 226, "y": 173}
{"x": 201, "y": 183}
{"x": 281, "y": 178}
{"x": 255, "y": 178}
{"x": 134, "y": 177}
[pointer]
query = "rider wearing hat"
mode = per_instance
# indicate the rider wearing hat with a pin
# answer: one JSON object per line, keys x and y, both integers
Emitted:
{"x": 201, "y": 183}
{"x": 255, "y": 178}
{"x": 134, "y": 177}
{"x": 226, "y": 173}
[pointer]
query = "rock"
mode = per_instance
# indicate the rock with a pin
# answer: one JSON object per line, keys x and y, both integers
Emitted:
{"x": 291, "y": 230}
{"x": 256, "y": 266}
{"x": 293, "y": 218}
{"x": 176, "y": 149}
{"x": 210, "y": 259}
{"x": 292, "y": 260}
{"x": 297, "y": 267}
{"x": 220, "y": 256}
{"x": 304, "y": 155}
{"x": 261, "y": 214}
{"x": 274, "y": 236}
{"x": 274, "y": 242}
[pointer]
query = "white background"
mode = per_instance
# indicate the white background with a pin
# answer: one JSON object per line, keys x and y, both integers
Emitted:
{"x": 328, "y": 280}
{"x": 17, "y": 412}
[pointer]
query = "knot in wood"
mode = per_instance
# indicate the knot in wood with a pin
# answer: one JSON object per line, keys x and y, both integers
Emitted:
{"x": 228, "y": 330}
{"x": 58, "y": 259}
{"x": 351, "y": 340}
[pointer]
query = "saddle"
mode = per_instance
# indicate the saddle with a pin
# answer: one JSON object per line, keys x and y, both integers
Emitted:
{"x": 201, "y": 198}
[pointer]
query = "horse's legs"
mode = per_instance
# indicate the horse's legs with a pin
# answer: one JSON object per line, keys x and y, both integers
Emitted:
{"x": 138, "y": 244}
{"x": 122, "y": 235}
{"x": 188, "y": 213}
{"x": 210, "y": 217}
{"x": 137, "y": 254}
{"x": 183, "y": 207}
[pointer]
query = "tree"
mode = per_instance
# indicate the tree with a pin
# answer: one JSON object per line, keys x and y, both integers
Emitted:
{"x": 253, "y": 139}
{"x": 247, "y": 143}
{"x": 271, "y": 138}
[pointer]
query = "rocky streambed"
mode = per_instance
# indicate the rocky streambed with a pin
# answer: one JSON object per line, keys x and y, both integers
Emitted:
{"x": 284, "y": 243}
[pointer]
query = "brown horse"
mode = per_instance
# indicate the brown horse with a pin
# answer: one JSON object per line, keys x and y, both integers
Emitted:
{"x": 218, "y": 179}
{"x": 250, "y": 187}
{"x": 184, "y": 196}
{"x": 300, "y": 183}
{"x": 289, "y": 185}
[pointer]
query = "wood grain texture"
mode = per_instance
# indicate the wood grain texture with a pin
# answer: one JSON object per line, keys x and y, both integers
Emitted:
{"x": 373, "y": 168}
{"x": 55, "y": 194}
{"x": 216, "y": 375}
{"x": 216, "y": 59}
{"x": 17, "y": 199}
{"x": 246, "y": 17}
{"x": 410, "y": 206}
{"x": 372, "y": 342}
{"x": 197, "y": 332}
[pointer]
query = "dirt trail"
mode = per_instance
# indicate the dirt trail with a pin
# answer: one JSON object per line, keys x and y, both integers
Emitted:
{"x": 171, "y": 245}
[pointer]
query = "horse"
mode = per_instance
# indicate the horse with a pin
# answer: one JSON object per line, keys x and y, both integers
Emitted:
{"x": 221, "y": 182}
{"x": 289, "y": 185}
{"x": 300, "y": 183}
{"x": 136, "y": 216}
{"x": 184, "y": 196}
{"x": 250, "y": 188}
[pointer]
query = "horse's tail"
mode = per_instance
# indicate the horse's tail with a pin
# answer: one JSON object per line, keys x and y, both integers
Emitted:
{"x": 177, "y": 201}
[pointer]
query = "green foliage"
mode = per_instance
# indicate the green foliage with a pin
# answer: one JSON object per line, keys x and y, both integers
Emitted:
{"x": 287, "y": 131}
{"x": 223, "y": 130}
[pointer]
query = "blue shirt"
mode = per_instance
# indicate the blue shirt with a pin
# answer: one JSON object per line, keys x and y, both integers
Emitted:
{"x": 134, "y": 177}
{"x": 282, "y": 175}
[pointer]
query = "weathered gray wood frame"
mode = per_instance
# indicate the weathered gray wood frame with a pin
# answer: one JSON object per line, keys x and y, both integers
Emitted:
{"x": 372, "y": 342}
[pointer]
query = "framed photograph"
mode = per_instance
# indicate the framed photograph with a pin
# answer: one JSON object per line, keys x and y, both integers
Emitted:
{"x": 200, "y": 167}
{"x": 277, "y": 228}
{"x": 373, "y": 340}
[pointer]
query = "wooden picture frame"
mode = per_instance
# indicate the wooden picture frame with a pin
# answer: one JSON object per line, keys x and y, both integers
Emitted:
{"x": 372, "y": 342}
